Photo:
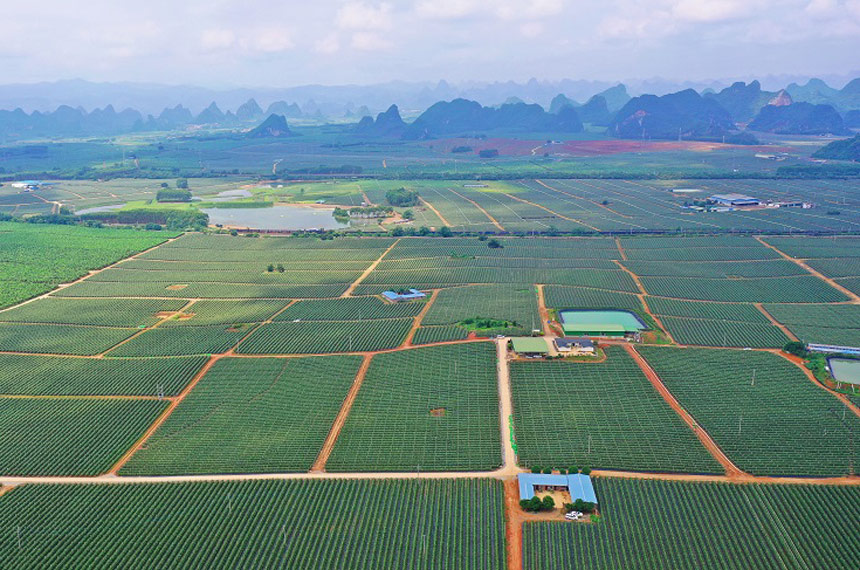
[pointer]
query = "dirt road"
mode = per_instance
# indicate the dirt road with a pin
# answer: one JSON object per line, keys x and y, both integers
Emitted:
{"x": 368, "y": 271}
{"x": 731, "y": 469}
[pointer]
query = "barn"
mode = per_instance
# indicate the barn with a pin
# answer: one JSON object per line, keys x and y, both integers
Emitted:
{"x": 578, "y": 485}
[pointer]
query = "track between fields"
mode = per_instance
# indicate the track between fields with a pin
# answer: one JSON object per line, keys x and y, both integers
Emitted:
{"x": 544, "y": 208}
{"x": 435, "y": 211}
{"x": 493, "y": 220}
{"x": 797, "y": 361}
{"x": 340, "y": 420}
{"x": 174, "y": 402}
{"x": 851, "y": 295}
{"x": 416, "y": 322}
{"x": 368, "y": 271}
{"x": 732, "y": 470}
{"x": 775, "y": 322}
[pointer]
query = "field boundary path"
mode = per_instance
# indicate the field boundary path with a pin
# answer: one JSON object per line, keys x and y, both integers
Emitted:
{"x": 368, "y": 271}
{"x": 797, "y": 361}
{"x": 340, "y": 420}
{"x": 174, "y": 402}
{"x": 775, "y": 322}
{"x": 435, "y": 211}
{"x": 493, "y": 220}
{"x": 416, "y": 322}
{"x": 553, "y": 212}
{"x": 851, "y": 295}
{"x": 732, "y": 470}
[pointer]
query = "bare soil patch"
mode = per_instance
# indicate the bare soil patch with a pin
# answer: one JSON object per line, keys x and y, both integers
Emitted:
{"x": 177, "y": 287}
{"x": 438, "y": 412}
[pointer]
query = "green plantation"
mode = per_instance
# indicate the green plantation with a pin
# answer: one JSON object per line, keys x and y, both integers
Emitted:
{"x": 274, "y": 368}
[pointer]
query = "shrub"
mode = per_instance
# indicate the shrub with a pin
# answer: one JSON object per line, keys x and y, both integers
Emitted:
{"x": 173, "y": 195}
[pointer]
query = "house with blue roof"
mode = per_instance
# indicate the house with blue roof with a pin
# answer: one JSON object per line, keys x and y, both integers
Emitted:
{"x": 400, "y": 296}
{"x": 578, "y": 485}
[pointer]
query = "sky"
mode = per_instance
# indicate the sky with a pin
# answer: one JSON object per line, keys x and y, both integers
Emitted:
{"x": 282, "y": 43}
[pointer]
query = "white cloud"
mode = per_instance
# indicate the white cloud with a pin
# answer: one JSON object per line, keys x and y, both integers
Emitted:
{"x": 528, "y": 9}
{"x": 710, "y": 10}
{"x": 447, "y": 9}
{"x": 271, "y": 40}
{"x": 367, "y": 41}
{"x": 363, "y": 17}
{"x": 327, "y": 45}
{"x": 217, "y": 39}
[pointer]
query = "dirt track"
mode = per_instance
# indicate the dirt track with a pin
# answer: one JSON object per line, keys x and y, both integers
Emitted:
{"x": 435, "y": 211}
{"x": 331, "y": 439}
{"x": 493, "y": 220}
{"x": 732, "y": 470}
{"x": 366, "y": 272}
{"x": 851, "y": 295}
{"x": 775, "y": 322}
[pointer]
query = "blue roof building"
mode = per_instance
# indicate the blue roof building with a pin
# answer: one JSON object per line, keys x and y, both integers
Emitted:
{"x": 397, "y": 297}
{"x": 578, "y": 485}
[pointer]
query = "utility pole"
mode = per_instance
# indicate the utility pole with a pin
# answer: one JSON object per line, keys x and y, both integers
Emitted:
{"x": 740, "y": 423}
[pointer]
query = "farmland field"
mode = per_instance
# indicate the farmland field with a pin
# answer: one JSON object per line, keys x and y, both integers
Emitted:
{"x": 69, "y": 437}
{"x": 72, "y": 252}
{"x": 661, "y": 525}
{"x": 182, "y": 340}
{"x": 60, "y": 339}
{"x": 285, "y": 407}
{"x": 821, "y": 324}
{"x": 604, "y": 415}
{"x": 428, "y": 409}
{"x": 36, "y": 375}
{"x": 749, "y": 401}
{"x": 452, "y": 524}
{"x": 515, "y": 304}
{"x": 129, "y": 313}
{"x": 309, "y": 337}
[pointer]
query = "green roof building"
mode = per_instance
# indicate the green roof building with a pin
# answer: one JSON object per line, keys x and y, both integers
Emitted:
{"x": 529, "y": 345}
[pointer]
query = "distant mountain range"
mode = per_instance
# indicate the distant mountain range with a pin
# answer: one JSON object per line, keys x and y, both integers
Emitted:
{"x": 810, "y": 109}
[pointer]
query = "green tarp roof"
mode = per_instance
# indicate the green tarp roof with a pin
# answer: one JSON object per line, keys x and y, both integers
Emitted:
{"x": 529, "y": 344}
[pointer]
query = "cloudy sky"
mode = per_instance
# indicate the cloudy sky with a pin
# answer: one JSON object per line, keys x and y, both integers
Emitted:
{"x": 222, "y": 43}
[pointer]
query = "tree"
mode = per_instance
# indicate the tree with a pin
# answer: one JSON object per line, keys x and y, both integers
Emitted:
{"x": 445, "y": 231}
{"x": 796, "y": 348}
{"x": 397, "y": 232}
{"x": 165, "y": 185}
{"x": 482, "y": 237}
{"x": 402, "y": 197}
{"x": 548, "y": 503}
{"x": 270, "y": 268}
{"x": 281, "y": 268}
{"x": 424, "y": 231}
{"x": 182, "y": 183}
{"x": 494, "y": 244}
{"x": 408, "y": 215}
{"x": 536, "y": 469}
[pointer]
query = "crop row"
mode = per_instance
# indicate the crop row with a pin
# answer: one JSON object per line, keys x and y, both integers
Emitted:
{"x": 309, "y": 337}
{"x": 349, "y": 309}
{"x": 801, "y": 289}
{"x": 748, "y": 402}
{"x": 663, "y": 525}
{"x": 603, "y": 415}
{"x": 709, "y": 332}
{"x": 185, "y": 290}
{"x": 285, "y": 407}
{"x": 327, "y": 525}
{"x": 427, "y": 409}
{"x": 104, "y": 312}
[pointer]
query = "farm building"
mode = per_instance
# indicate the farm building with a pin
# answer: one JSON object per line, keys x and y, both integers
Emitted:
{"x": 575, "y": 346}
{"x": 578, "y": 485}
{"x": 397, "y": 296}
{"x": 735, "y": 200}
{"x": 530, "y": 347}
{"x": 833, "y": 349}
{"x": 600, "y": 323}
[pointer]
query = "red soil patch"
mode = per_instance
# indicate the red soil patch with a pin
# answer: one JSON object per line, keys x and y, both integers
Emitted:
{"x": 178, "y": 287}
{"x": 437, "y": 412}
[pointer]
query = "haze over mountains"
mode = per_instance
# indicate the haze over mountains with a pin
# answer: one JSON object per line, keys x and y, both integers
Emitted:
{"x": 810, "y": 108}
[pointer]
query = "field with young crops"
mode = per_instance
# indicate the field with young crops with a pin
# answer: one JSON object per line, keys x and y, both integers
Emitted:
{"x": 183, "y": 290}
{"x": 209, "y": 312}
{"x": 349, "y": 309}
{"x": 69, "y": 437}
{"x": 709, "y": 332}
{"x": 37, "y": 375}
{"x": 583, "y": 298}
{"x": 516, "y": 304}
{"x": 662, "y": 525}
{"x": 799, "y": 289}
{"x": 183, "y": 340}
{"x": 426, "y": 524}
{"x": 131, "y": 313}
{"x": 837, "y": 257}
{"x": 259, "y": 415}
{"x": 311, "y": 337}
{"x": 600, "y": 415}
{"x": 439, "y": 333}
{"x": 71, "y": 250}
{"x": 820, "y": 324}
{"x": 749, "y": 401}
{"x": 428, "y": 409}
{"x": 60, "y": 339}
